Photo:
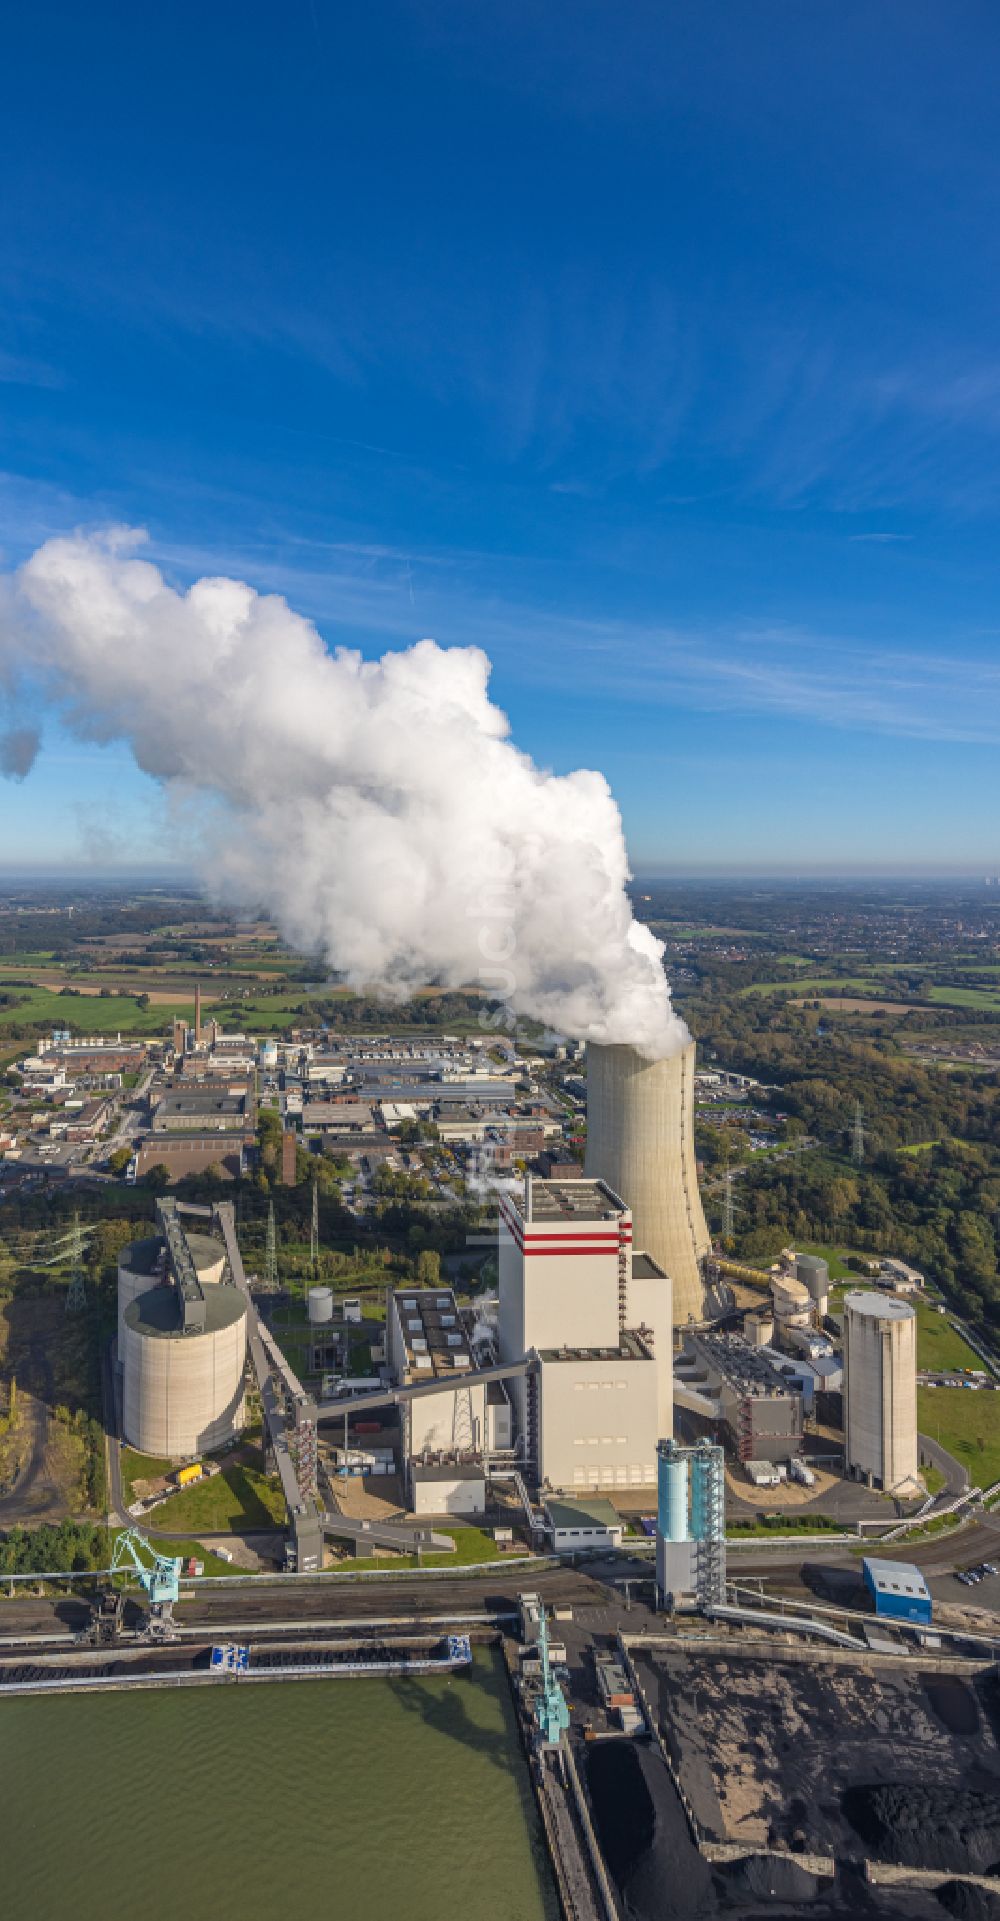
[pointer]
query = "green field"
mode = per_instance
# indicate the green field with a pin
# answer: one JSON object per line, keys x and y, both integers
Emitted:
{"x": 964, "y": 997}
{"x": 140, "y": 1467}
{"x": 473, "y": 1548}
{"x": 967, "y": 1424}
{"x": 939, "y": 1345}
{"x": 87, "y": 1013}
{"x": 238, "y": 1498}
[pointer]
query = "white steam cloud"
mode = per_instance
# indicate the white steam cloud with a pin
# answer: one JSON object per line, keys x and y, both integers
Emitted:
{"x": 377, "y": 809}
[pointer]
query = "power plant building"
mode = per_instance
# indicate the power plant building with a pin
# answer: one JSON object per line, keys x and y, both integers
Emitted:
{"x": 880, "y": 1390}
{"x": 596, "y": 1320}
{"x": 182, "y": 1342}
{"x": 740, "y": 1387}
{"x": 640, "y": 1140}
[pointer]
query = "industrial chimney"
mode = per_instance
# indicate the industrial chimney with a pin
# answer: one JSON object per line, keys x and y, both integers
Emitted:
{"x": 197, "y": 1015}
{"x": 640, "y": 1140}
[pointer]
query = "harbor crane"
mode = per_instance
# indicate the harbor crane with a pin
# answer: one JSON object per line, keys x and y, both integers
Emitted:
{"x": 161, "y": 1581}
{"x": 550, "y": 1709}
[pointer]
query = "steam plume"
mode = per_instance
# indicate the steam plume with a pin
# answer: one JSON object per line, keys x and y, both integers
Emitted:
{"x": 377, "y": 809}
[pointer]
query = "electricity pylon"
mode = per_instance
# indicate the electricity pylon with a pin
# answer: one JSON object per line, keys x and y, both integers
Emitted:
{"x": 76, "y": 1299}
{"x": 271, "y": 1254}
{"x": 858, "y": 1135}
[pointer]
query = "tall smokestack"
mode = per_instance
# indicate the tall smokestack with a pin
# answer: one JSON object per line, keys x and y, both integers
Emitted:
{"x": 197, "y": 1015}
{"x": 640, "y": 1140}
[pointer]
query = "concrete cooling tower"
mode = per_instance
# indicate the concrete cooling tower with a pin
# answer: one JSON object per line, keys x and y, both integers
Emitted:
{"x": 640, "y": 1140}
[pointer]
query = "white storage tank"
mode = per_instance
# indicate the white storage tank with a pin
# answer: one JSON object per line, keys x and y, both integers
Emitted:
{"x": 183, "y": 1393}
{"x": 320, "y": 1305}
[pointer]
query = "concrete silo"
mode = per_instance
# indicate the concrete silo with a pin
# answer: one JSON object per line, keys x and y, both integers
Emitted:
{"x": 183, "y": 1389}
{"x": 640, "y": 1141}
{"x": 880, "y": 1390}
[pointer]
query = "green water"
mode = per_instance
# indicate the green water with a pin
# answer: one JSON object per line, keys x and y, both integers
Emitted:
{"x": 363, "y": 1800}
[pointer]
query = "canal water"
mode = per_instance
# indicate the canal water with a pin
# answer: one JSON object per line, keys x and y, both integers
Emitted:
{"x": 366, "y": 1799}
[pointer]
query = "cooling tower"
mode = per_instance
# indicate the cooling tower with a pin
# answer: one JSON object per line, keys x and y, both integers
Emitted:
{"x": 640, "y": 1140}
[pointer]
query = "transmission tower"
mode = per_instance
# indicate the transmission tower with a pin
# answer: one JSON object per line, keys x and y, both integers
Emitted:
{"x": 76, "y": 1299}
{"x": 271, "y": 1254}
{"x": 858, "y": 1134}
{"x": 314, "y": 1231}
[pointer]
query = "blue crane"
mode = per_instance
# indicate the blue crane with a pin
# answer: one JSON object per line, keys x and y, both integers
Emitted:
{"x": 161, "y": 1581}
{"x": 551, "y": 1711}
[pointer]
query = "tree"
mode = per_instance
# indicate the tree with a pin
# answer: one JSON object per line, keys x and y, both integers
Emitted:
{"x": 119, "y": 1160}
{"x": 429, "y": 1266}
{"x": 157, "y": 1179}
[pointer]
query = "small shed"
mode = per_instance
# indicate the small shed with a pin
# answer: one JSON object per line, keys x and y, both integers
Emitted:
{"x": 898, "y": 1590}
{"x": 588, "y": 1523}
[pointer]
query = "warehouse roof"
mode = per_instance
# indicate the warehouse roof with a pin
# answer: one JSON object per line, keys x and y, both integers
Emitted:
{"x": 895, "y": 1577}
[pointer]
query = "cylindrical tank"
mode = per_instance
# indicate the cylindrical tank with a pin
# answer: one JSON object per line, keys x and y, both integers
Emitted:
{"x": 183, "y": 1393}
{"x": 791, "y": 1298}
{"x": 640, "y": 1140}
{"x": 880, "y": 1389}
{"x": 320, "y": 1305}
{"x": 814, "y": 1273}
{"x": 140, "y": 1267}
{"x": 269, "y": 1053}
{"x": 758, "y": 1328}
{"x": 671, "y": 1495}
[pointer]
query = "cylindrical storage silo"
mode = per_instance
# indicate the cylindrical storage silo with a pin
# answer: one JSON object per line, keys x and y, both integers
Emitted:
{"x": 640, "y": 1141}
{"x": 140, "y": 1267}
{"x": 209, "y": 1257}
{"x": 320, "y": 1305}
{"x": 672, "y": 1496}
{"x": 814, "y": 1273}
{"x": 183, "y": 1393}
{"x": 880, "y": 1389}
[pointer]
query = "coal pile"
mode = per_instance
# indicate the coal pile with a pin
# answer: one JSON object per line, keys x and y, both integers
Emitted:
{"x": 969, "y": 1903}
{"x": 768, "y": 1877}
{"x": 927, "y": 1827}
{"x": 644, "y": 1836}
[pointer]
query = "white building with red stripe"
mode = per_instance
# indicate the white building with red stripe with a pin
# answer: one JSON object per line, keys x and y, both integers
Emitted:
{"x": 599, "y": 1397}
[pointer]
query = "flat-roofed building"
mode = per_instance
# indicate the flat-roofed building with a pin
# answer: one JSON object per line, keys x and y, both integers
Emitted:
{"x": 202, "y": 1112}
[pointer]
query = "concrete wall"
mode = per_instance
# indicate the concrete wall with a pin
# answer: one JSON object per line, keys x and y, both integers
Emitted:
{"x": 598, "y": 1424}
{"x": 640, "y": 1139}
{"x": 651, "y": 1305}
{"x": 461, "y": 1496}
{"x": 439, "y": 1422}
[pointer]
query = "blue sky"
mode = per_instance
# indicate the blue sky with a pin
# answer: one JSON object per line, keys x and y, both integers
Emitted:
{"x": 653, "y": 348}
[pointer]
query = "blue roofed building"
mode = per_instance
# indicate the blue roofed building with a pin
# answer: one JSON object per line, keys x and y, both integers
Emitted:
{"x": 898, "y": 1590}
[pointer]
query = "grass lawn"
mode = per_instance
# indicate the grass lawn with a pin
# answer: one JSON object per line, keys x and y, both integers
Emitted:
{"x": 939, "y": 1345}
{"x": 140, "y": 1467}
{"x": 473, "y": 1548}
{"x": 238, "y": 1498}
{"x": 835, "y": 1258}
{"x": 967, "y": 1424}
